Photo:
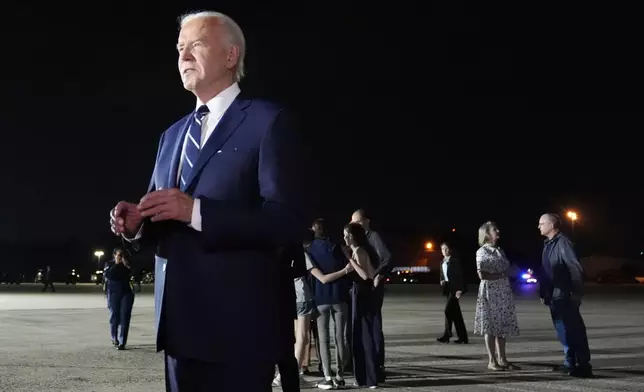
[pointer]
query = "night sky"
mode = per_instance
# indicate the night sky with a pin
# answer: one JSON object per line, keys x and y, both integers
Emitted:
{"x": 432, "y": 117}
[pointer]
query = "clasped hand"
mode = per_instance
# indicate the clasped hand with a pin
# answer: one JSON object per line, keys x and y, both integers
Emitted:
{"x": 167, "y": 204}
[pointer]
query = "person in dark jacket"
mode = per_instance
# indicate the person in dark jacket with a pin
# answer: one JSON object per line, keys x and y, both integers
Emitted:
{"x": 48, "y": 280}
{"x": 121, "y": 298}
{"x": 561, "y": 289}
{"x": 453, "y": 285}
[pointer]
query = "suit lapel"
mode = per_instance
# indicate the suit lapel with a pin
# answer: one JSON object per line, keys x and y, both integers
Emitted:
{"x": 176, "y": 153}
{"x": 228, "y": 124}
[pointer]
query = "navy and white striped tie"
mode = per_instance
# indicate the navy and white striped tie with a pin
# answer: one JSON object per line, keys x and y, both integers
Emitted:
{"x": 193, "y": 145}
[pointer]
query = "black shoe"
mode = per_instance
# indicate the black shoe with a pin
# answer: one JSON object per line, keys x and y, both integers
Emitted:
{"x": 581, "y": 372}
{"x": 115, "y": 342}
{"x": 120, "y": 347}
{"x": 461, "y": 341}
{"x": 443, "y": 339}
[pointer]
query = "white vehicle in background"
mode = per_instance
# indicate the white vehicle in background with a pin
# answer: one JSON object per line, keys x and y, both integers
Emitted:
{"x": 97, "y": 277}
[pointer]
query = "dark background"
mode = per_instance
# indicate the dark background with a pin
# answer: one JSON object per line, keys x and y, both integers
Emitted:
{"x": 432, "y": 115}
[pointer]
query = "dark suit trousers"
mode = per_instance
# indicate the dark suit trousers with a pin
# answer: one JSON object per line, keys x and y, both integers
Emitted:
{"x": 379, "y": 336}
{"x": 571, "y": 332}
{"x": 289, "y": 374}
{"x": 187, "y": 375}
{"x": 453, "y": 315}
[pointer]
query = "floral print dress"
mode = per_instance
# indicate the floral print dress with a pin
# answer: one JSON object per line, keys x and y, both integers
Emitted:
{"x": 495, "y": 312}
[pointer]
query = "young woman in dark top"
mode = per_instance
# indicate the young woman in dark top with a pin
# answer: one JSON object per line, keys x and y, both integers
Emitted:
{"x": 330, "y": 287}
{"x": 121, "y": 298}
{"x": 361, "y": 254}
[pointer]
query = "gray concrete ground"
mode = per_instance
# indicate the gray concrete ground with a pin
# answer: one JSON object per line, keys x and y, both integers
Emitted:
{"x": 60, "y": 342}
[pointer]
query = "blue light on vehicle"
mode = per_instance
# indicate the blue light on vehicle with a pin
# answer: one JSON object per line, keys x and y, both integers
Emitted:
{"x": 528, "y": 277}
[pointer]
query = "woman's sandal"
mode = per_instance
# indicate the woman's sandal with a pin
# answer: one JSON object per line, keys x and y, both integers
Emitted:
{"x": 509, "y": 366}
{"x": 495, "y": 367}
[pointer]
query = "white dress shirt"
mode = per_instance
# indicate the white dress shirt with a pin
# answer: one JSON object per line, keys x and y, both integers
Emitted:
{"x": 444, "y": 268}
{"x": 217, "y": 106}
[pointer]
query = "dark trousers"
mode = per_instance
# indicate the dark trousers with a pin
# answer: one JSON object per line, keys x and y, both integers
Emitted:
{"x": 365, "y": 368}
{"x": 289, "y": 374}
{"x": 48, "y": 283}
{"x": 379, "y": 335}
{"x": 349, "y": 338}
{"x": 187, "y": 375}
{"x": 120, "y": 301}
{"x": 454, "y": 316}
{"x": 571, "y": 332}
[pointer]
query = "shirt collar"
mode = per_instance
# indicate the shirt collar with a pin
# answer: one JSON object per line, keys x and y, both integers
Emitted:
{"x": 221, "y": 101}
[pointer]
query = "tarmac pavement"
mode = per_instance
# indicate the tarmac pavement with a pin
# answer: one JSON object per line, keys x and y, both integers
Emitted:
{"x": 60, "y": 342}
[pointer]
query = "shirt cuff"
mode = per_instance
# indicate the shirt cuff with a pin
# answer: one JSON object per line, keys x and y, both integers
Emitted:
{"x": 195, "y": 221}
{"x": 136, "y": 237}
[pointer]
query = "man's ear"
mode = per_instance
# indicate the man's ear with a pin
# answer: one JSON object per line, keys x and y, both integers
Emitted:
{"x": 233, "y": 56}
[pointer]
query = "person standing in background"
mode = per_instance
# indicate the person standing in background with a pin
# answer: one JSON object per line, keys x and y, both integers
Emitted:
{"x": 365, "y": 367}
{"x": 48, "y": 280}
{"x": 288, "y": 376}
{"x": 496, "y": 316}
{"x": 453, "y": 286}
{"x": 329, "y": 268}
{"x": 382, "y": 268}
{"x": 561, "y": 289}
{"x": 120, "y": 298}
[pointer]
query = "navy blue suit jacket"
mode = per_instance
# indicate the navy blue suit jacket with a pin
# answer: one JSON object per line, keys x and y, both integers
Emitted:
{"x": 220, "y": 293}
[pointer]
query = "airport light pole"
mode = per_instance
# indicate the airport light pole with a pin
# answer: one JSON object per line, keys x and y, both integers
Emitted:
{"x": 573, "y": 218}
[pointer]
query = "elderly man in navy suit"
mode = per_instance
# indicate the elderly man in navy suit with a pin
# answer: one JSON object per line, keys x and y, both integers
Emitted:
{"x": 223, "y": 199}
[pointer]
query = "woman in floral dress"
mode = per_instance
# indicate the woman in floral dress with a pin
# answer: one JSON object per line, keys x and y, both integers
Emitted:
{"x": 495, "y": 318}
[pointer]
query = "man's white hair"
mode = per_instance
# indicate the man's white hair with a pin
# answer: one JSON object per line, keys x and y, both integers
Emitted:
{"x": 235, "y": 34}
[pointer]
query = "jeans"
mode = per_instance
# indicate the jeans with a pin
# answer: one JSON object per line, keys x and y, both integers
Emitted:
{"x": 571, "y": 332}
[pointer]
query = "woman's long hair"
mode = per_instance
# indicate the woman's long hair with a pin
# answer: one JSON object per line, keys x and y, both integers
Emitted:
{"x": 360, "y": 237}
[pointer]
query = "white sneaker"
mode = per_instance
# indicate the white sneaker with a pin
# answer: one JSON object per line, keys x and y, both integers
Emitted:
{"x": 326, "y": 384}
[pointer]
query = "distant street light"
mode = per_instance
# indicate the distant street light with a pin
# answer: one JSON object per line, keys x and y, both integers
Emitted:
{"x": 573, "y": 218}
{"x": 99, "y": 254}
{"x": 429, "y": 246}
{"x": 453, "y": 230}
